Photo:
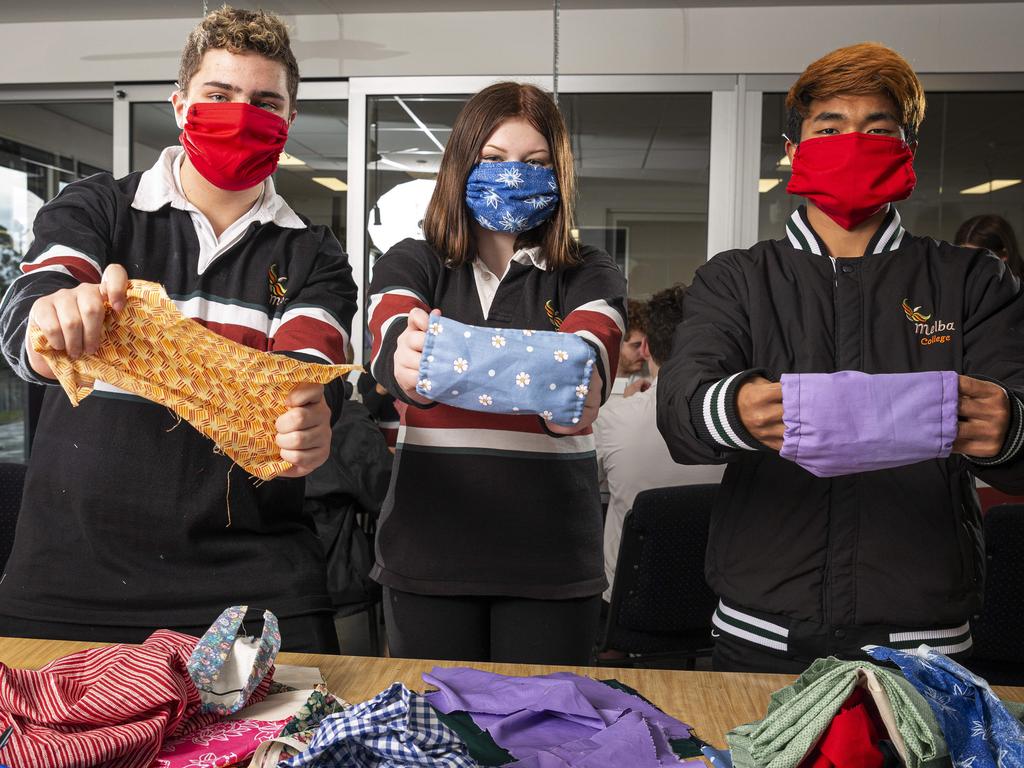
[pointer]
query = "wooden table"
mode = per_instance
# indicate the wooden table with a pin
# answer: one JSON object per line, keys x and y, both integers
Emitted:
{"x": 712, "y": 702}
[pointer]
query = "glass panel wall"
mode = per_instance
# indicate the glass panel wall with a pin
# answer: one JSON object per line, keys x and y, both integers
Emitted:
{"x": 967, "y": 164}
{"x": 43, "y": 147}
{"x": 642, "y": 161}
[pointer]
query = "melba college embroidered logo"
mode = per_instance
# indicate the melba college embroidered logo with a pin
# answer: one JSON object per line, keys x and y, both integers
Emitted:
{"x": 936, "y": 332}
{"x": 277, "y": 287}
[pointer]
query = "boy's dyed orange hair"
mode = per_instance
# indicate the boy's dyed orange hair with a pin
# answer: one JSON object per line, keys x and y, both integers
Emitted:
{"x": 859, "y": 69}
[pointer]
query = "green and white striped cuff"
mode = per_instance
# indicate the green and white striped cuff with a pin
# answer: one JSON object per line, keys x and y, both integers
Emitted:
{"x": 715, "y": 417}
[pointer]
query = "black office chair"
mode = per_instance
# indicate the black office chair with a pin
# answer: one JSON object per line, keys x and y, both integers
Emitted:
{"x": 12, "y": 481}
{"x": 661, "y": 606}
{"x": 998, "y": 654}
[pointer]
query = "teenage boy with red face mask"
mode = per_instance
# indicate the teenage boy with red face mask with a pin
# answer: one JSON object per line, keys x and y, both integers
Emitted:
{"x": 124, "y": 524}
{"x": 804, "y": 565}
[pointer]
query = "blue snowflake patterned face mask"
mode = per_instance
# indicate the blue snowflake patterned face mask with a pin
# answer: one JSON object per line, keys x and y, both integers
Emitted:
{"x": 511, "y": 197}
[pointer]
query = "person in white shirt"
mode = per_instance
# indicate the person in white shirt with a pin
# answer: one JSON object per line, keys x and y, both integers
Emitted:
{"x": 631, "y": 454}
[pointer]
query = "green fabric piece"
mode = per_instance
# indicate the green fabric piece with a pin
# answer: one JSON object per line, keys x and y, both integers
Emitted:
{"x": 1015, "y": 708}
{"x": 482, "y": 747}
{"x": 686, "y": 747}
{"x": 798, "y": 715}
{"x": 318, "y": 706}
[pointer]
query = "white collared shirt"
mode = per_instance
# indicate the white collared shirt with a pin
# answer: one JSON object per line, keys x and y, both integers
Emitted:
{"x": 487, "y": 282}
{"x": 161, "y": 185}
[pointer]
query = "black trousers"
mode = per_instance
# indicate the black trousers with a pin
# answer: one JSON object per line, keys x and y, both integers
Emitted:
{"x": 302, "y": 634}
{"x": 500, "y": 629}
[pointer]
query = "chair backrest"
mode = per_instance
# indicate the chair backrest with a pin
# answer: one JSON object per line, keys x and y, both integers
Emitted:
{"x": 12, "y": 481}
{"x": 659, "y": 577}
{"x": 1000, "y": 627}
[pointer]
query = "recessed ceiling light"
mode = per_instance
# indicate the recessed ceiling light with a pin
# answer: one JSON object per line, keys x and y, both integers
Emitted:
{"x": 767, "y": 185}
{"x": 990, "y": 186}
{"x": 332, "y": 183}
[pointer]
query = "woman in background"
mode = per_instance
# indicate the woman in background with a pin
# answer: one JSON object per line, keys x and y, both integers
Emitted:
{"x": 994, "y": 233}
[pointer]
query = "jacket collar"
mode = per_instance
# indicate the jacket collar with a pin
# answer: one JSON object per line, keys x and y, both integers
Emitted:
{"x": 160, "y": 186}
{"x": 801, "y": 234}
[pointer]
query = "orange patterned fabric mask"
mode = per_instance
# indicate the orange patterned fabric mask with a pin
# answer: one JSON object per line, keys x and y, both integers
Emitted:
{"x": 231, "y": 393}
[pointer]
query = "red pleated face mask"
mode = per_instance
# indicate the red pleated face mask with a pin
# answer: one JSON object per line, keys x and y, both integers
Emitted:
{"x": 233, "y": 145}
{"x": 852, "y": 176}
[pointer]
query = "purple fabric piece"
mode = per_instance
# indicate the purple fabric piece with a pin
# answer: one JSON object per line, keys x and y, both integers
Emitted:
{"x": 526, "y": 715}
{"x": 848, "y": 422}
{"x": 631, "y": 741}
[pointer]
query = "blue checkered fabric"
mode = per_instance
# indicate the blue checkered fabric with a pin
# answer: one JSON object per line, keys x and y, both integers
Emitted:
{"x": 505, "y": 370}
{"x": 395, "y": 729}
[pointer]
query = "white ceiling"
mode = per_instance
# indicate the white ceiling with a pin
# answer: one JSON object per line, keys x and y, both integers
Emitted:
{"x": 12, "y": 11}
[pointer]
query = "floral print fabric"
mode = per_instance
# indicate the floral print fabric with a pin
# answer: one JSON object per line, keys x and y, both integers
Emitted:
{"x": 503, "y": 370}
{"x": 227, "y": 668}
{"x": 226, "y": 742}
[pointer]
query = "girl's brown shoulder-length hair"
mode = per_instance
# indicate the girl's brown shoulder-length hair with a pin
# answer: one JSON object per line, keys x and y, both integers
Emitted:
{"x": 447, "y": 224}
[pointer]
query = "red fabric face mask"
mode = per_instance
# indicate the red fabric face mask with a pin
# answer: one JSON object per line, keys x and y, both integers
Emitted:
{"x": 233, "y": 145}
{"x": 852, "y": 176}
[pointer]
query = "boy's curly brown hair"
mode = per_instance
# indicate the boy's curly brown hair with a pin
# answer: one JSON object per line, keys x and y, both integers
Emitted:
{"x": 664, "y": 314}
{"x": 237, "y": 30}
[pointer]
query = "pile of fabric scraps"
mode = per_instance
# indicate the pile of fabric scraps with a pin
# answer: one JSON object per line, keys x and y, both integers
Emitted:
{"x": 231, "y": 393}
{"x": 395, "y": 728}
{"x": 561, "y": 720}
{"x": 800, "y": 715}
{"x": 928, "y": 713}
{"x": 980, "y": 730}
{"x": 117, "y": 706}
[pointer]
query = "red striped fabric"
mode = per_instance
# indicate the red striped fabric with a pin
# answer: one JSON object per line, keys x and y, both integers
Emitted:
{"x": 110, "y": 707}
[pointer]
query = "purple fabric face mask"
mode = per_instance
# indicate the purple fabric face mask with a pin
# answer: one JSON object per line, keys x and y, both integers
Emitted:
{"x": 849, "y": 422}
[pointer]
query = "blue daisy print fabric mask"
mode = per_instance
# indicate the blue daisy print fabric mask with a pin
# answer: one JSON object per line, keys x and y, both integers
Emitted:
{"x": 511, "y": 197}
{"x": 504, "y": 370}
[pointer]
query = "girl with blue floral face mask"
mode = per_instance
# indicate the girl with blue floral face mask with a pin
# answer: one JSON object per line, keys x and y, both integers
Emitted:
{"x": 489, "y": 544}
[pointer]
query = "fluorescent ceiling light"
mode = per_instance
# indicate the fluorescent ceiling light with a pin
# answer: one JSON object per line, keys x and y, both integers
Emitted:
{"x": 332, "y": 183}
{"x": 784, "y": 162}
{"x": 419, "y": 123}
{"x": 393, "y": 164}
{"x": 990, "y": 186}
{"x": 767, "y": 185}
{"x": 286, "y": 159}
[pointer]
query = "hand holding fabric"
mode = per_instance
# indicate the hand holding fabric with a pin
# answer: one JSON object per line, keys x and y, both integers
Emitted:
{"x": 591, "y": 406}
{"x": 304, "y": 430}
{"x": 72, "y": 318}
{"x": 759, "y": 403}
{"x": 983, "y": 417}
{"x": 409, "y": 352}
{"x": 849, "y": 422}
